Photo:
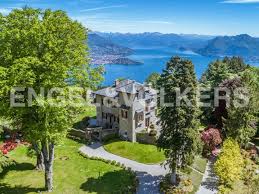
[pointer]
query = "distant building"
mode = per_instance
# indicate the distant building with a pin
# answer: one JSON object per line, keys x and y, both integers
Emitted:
{"x": 127, "y": 106}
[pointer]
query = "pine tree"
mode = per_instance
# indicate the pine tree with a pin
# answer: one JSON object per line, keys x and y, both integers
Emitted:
{"x": 179, "y": 135}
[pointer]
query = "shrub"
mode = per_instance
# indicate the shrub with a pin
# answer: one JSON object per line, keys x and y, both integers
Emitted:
{"x": 152, "y": 126}
{"x": 110, "y": 137}
{"x": 230, "y": 163}
{"x": 5, "y": 162}
{"x": 184, "y": 186}
{"x": 153, "y": 132}
{"x": 211, "y": 138}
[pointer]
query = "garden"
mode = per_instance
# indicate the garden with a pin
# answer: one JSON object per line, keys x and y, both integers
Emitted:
{"x": 72, "y": 173}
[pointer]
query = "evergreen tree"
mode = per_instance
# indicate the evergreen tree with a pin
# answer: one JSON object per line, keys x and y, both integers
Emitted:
{"x": 179, "y": 136}
{"x": 235, "y": 64}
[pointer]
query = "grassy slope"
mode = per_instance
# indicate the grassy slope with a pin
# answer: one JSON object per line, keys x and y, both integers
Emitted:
{"x": 142, "y": 153}
{"x": 72, "y": 176}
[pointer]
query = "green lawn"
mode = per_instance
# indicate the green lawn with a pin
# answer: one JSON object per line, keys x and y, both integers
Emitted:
{"x": 142, "y": 153}
{"x": 89, "y": 111}
{"x": 73, "y": 174}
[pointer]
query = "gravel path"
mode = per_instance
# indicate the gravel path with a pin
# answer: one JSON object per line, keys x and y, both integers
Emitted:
{"x": 149, "y": 175}
{"x": 209, "y": 181}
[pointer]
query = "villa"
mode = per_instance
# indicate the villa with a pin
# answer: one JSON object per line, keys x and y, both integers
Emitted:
{"x": 128, "y": 107}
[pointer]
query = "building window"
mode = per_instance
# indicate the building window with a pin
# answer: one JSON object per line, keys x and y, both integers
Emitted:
{"x": 124, "y": 114}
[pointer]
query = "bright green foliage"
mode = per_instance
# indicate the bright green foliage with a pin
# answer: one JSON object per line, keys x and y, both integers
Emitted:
{"x": 221, "y": 70}
{"x": 229, "y": 165}
{"x": 179, "y": 136}
{"x": 235, "y": 64}
{"x": 215, "y": 74}
{"x": 4, "y": 162}
{"x": 43, "y": 49}
{"x": 153, "y": 78}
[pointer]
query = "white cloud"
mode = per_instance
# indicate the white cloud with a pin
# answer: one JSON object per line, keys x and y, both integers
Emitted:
{"x": 240, "y": 1}
{"x": 104, "y": 7}
{"x": 5, "y": 11}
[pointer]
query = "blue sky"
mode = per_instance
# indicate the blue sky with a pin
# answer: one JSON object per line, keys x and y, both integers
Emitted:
{"x": 210, "y": 17}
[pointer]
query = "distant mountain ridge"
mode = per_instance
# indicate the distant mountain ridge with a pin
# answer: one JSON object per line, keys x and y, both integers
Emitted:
{"x": 156, "y": 39}
{"x": 106, "y": 45}
{"x": 240, "y": 45}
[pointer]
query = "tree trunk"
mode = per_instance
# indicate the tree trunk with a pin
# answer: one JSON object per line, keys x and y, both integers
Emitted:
{"x": 173, "y": 177}
{"x": 48, "y": 153}
{"x": 40, "y": 161}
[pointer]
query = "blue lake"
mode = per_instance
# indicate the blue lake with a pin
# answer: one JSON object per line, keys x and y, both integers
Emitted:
{"x": 154, "y": 60}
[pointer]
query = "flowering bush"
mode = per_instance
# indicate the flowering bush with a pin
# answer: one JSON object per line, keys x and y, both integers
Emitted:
{"x": 8, "y": 146}
{"x": 211, "y": 138}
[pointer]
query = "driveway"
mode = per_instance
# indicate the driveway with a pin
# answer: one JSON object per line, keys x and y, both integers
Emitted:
{"x": 149, "y": 175}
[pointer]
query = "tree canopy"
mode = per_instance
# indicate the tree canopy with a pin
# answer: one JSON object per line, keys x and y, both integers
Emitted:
{"x": 43, "y": 49}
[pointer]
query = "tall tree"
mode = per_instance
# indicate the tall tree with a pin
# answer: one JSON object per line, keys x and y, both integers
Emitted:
{"x": 43, "y": 49}
{"x": 179, "y": 136}
{"x": 241, "y": 117}
{"x": 217, "y": 72}
{"x": 211, "y": 78}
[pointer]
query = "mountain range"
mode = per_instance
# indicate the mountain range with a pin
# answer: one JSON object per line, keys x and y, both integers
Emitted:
{"x": 114, "y": 48}
{"x": 240, "y": 45}
{"x": 156, "y": 39}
